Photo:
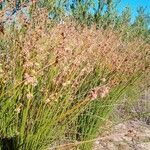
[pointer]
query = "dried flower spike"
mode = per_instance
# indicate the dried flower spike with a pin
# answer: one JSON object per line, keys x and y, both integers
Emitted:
{"x": 29, "y": 96}
{"x": 101, "y": 91}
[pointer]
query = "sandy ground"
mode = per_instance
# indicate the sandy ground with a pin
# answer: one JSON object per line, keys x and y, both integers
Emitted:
{"x": 130, "y": 135}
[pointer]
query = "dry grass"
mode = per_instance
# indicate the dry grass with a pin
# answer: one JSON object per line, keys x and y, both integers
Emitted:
{"x": 60, "y": 83}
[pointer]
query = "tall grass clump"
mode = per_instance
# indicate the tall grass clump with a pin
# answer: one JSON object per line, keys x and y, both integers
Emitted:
{"x": 59, "y": 82}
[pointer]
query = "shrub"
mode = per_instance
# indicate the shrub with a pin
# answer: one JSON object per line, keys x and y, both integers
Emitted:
{"x": 60, "y": 82}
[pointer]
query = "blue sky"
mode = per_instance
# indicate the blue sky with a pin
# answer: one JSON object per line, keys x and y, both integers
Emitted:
{"x": 134, "y": 4}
